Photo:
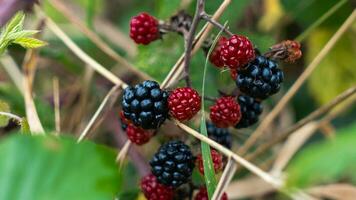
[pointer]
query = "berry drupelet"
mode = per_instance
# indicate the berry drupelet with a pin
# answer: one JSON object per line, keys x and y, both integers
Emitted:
{"x": 154, "y": 190}
{"x": 203, "y": 195}
{"x": 250, "y": 111}
{"x": 145, "y": 105}
{"x": 237, "y": 51}
{"x": 184, "y": 103}
{"x": 137, "y": 135}
{"x": 144, "y": 28}
{"x": 173, "y": 164}
{"x": 260, "y": 79}
{"x": 217, "y": 162}
{"x": 225, "y": 112}
{"x": 219, "y": 135}
{"x": 124, "y": 122}
{"x": 215, "y": 56}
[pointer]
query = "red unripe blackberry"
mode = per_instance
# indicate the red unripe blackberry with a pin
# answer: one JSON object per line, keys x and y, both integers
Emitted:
{"x": 184, "y": 103}
{"x": 217, "y": 162}
{"x": 215, "y": 56}
{"x": 137, "y": 135}
{"x": 225, "y": 112}
{"x": 154, "y": 190}
{"x": 203, "y": 195}
{"x": 237, "y": 51}
{"x": 144, "y": 28}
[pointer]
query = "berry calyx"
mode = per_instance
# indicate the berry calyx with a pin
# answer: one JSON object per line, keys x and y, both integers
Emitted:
{"x": 145, "y": 105}
{"x": 203, "y": 195}
{"x": 250, "y": 111}
{"x": 154, "y": 190}
{"x": 219, "y": 135}
{"x": 173, "y": 164}
{"x": 184, "y": 103}
{"x": 237, "y": 51}
{"x": 260, "y": 79}
{"x": 215, "y": 56}
{"x": 144, "y": 28}
{"x": 137, "y": 135}
{"x": 225, "y": 112}
{"x": 217, "y": 162}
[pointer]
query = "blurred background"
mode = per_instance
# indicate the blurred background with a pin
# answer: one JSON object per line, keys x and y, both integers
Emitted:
{"x": 265, "y": 22}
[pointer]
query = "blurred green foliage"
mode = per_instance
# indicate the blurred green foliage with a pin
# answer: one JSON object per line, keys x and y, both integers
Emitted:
{"x": 39, "y": 168}
{"x": 4, "y": 107}
{"x": 326, "y": 161}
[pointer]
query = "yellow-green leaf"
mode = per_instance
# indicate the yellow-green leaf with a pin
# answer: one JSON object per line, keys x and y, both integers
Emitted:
{"x": 30, "y": 43}
{"x": 337, "y": 71}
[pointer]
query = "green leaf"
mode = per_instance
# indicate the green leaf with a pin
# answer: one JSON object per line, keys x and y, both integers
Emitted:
{"x": 4, "y": 120}
{"x": 21, "y": 34}
{"x": 167, "y": 8}
{"x": 47, "y": 167}
{"x": 336, "y": 72}
{"x": 209, "y": 173}
{"x": 30, "y": 43}
{"x": 325, "y": 162}
{"x": 15, "y": 24}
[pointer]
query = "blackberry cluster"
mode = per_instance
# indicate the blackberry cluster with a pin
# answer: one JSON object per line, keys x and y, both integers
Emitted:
{"x": 250, "y": 111}
{"x": 145, "y": 105}
{"x": 260, "y": 79}
{"x": 173, "y": 164}
{"x": 219, "y": 135}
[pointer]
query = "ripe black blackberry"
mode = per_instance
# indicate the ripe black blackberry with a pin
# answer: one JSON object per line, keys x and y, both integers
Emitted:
{"x": 250, "y": 111}
{"x": 260, "y": 78}
{"x": 219, "y": 135}
{"x": 145, "y": 105}
{"x": 173, "y": 164}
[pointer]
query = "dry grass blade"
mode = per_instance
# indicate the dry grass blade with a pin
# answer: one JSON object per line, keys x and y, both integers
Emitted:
{"x": 95, "y": 38}
{"x": 80, "y": 53}
{"x": 348, "y": 94}
{"x": 265, "y": 176}
{"x": 334, "y": 191}
{"x": 225, "y": 179}
{"x": 248, "y": 188}
{"x": 56, "y": 98}
{"x": 13, "y": 71}
{"x": 29, "y": 68}
{"x": 104, "y": 107}
{"x": 292, "y": 145}
{"x": 122, "y": 154}
{"x": 297, "y": 85}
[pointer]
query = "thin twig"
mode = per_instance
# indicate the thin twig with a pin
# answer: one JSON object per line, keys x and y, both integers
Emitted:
{"x": 297, "y": 85}
{"x": 317, "y": 113}
{"x": 56, "y": 99}
{"x": 105, "y": 105}
{"x": 225, "y": 179}
{"x": 13, "y": 71}
{"x": 189, "y": 40}
{"x": 215, "y": 23}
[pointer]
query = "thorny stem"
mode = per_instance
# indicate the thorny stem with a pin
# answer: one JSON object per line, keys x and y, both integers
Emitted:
{"x": 207, "y": 18}
{"x": 189, "y": 40}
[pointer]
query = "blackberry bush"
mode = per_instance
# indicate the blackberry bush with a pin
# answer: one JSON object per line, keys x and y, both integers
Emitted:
{"x": 145, "y": 105}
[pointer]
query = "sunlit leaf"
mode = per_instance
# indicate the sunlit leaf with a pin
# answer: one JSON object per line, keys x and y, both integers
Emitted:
{"x": 29, "y": 43}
